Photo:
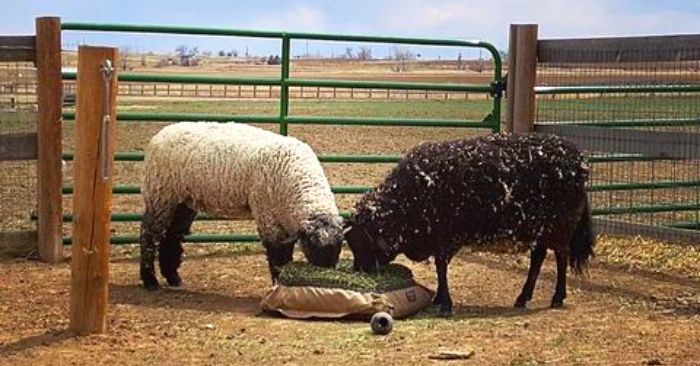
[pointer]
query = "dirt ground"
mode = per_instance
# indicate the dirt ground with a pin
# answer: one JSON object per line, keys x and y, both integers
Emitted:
{"x": 640, "y": 305}
{"x": 621, "y": 315}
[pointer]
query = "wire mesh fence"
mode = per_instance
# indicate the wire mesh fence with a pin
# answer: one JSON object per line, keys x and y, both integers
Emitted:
{"x": 17, "y": 116}
{"x": 637, "y": 93}
{"x": 17, "y": 86}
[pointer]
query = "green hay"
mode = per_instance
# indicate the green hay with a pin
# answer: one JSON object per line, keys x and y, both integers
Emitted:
{"x": 392, "y": 277}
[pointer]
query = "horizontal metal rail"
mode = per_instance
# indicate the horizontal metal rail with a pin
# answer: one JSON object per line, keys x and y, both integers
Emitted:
{"x": 185, "y": 79}
{"x": 223, "y": 80}
{"x": 619, "y": 158}
{"x": 613, "y": 89}
{"x": 298, "y": 120}
{"x": 644, "y": 209}
{"x": 688, "y": 225}
{"x": 386, "y": 159}
{"x": 379, "y": 121}
{"x": 181, "y": 117}
{"x": 659, "y": 232}
{"x": 390, "y": 85}
{"x": 216, "y": 238}
{"x": 133, "y": 217}
{"x": 196, "y": 238}
{"x": 210, "y": 31}
{"x": 645, "y": 185}
{"x": 131, "y": 189}
{"x": 130, "y": 217}
{"x": 375, "y": 159}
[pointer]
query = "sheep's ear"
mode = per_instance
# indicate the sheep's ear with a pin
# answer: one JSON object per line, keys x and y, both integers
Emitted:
{"x": 348, "y": 224}
{"x": 306, "y": 228}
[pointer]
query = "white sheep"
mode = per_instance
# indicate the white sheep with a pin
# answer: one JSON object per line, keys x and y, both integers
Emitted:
{"x": 235, "y": 171}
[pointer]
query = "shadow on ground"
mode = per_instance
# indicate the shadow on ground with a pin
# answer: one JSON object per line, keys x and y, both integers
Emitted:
{"x": 183, "y": 299}
{"x": 678, "y": 305}
{"x": 45, "y": 339}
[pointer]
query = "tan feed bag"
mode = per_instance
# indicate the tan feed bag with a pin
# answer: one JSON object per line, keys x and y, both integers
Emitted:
{"x": 304, "y": 302}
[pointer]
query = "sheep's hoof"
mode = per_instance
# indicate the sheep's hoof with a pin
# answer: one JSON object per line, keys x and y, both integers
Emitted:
{"x": 150, "y": 283}
{"x": 445, "y": 312}
{"x": 520, "y": 303}
{"x": 151, "y": 286}
{"x": 556, "y": 304}
{"x": 174, "y": 281}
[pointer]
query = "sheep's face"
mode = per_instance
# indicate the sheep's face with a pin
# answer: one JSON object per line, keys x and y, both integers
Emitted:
{"x": 369, "y": 250}
{"x": 321, "y": 239}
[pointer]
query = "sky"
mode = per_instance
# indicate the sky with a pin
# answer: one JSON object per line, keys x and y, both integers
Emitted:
{"x": 486, "y": 20}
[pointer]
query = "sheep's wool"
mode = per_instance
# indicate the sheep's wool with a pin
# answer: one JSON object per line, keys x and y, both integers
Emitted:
{"x": 237, "y": 171}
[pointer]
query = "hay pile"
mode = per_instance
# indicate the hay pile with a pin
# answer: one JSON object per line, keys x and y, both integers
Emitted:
{"x": 392, "y": 277}
{"x": 304, "y": 291}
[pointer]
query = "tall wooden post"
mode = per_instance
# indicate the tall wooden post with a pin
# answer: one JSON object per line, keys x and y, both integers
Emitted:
{"x": 49, "y": 144}
{"x": 522, "y": 71}
{"x": 94, "y": 152}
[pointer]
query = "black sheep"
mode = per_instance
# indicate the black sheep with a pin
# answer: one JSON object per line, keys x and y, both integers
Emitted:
{"x": 526, "y": 188}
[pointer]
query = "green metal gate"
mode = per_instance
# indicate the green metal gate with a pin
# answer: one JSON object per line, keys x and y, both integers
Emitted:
{"x": 491, "y": 121}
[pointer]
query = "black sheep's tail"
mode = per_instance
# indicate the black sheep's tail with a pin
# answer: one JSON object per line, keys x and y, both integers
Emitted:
{"x": 581, "y": 246}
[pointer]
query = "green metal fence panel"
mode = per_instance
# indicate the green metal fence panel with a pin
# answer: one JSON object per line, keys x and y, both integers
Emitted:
{"x": 491, "y": 121}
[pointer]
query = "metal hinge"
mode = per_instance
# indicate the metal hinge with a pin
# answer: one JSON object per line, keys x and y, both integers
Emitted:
{"x": 498, "y": 87}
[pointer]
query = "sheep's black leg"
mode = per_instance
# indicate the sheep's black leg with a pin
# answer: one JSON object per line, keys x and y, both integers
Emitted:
{"x": 442, "y": 297}
{"x": 170, "y": 251}
{"x": 148, "y": 256}
{"x": 560, "y": 292}
{"x": 153, "y": 227}
{"x": 278, "y": 254}
{"x": 536, "y": 259}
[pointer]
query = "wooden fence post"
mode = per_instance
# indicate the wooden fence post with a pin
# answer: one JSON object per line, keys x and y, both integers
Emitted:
{"x": 522, "y": 71}
{"x": 49, "y": 143}
{"x": 94, "y": 151}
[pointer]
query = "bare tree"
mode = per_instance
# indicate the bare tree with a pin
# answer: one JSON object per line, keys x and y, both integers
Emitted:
{"x": 181, "y": 50}
{"x": 364, "y": 53}
{"x": 402, "y": 55}
{"x": 348, "y": 53}
{"x": 188, "y": 56}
